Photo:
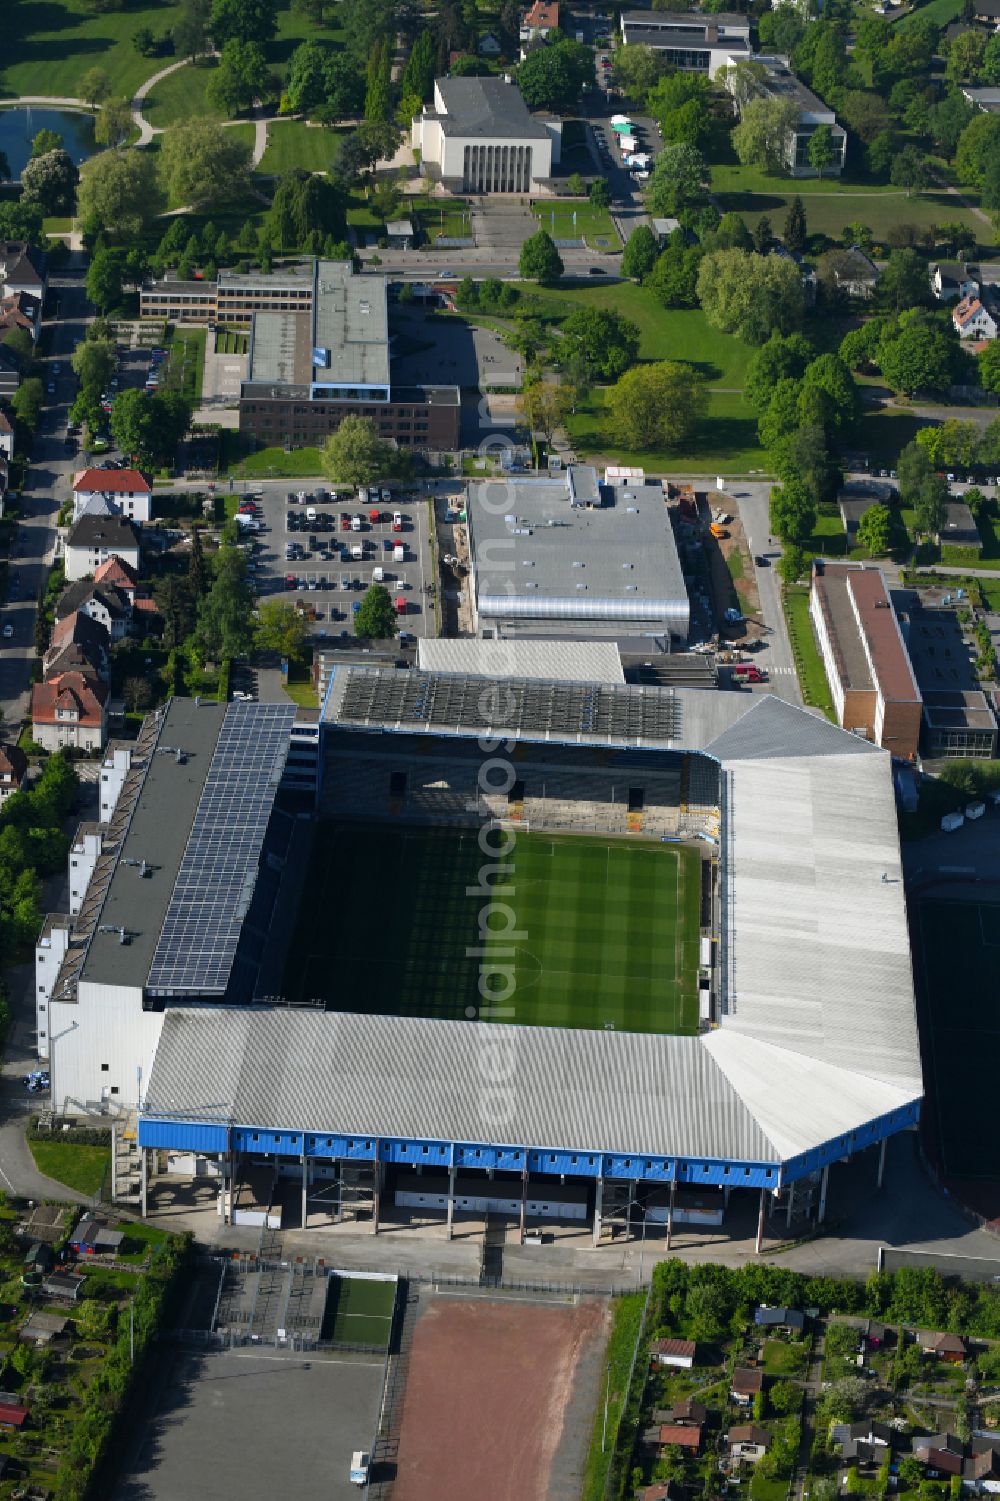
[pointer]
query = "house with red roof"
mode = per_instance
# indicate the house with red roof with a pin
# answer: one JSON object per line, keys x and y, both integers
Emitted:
{"x": 128, "y": 490}
{"x": 13, "y": 766}
{"x": 973, "y": 320}
{"x": 12, "y": 1415}
{"x": 95, "y": 539}
{"x": 70, "y": 710}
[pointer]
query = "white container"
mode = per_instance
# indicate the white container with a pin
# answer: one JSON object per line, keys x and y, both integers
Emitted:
{"x": 952, "y": 821}
{"x": 378, "y": 575}
{"x": 975, "y": 810}
{"x": 398, "y": 553}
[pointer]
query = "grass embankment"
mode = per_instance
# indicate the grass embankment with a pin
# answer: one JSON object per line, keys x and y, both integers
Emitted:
{"x": 626, "y": 1322}
{"x": 79, "y": 1167}
{"x": 805, "y": 651}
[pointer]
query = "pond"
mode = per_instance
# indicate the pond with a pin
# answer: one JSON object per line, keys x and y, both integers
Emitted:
{"x": 19, "y": 126}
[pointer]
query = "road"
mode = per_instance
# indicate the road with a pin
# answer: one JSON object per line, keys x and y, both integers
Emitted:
{"x": 48, "y": 485}
{"x": 753, "y": 502}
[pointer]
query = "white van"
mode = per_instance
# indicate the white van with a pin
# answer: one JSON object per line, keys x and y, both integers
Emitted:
{"x": 310, "y": 513}
{"x": 360, "y": 1461}
{"x": 378, "y": 575}
{"x": 356, "y": 523}
{"x": 357, "y": 552}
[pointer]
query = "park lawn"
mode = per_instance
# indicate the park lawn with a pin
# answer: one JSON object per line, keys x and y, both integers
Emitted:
{"x": 80, "y": 1167}
{"x": 294, "y": 27}
{"x": 449, "y": 217}
{"x": 275, "y": 463}
{"x": 57, "y": 226}
{"x": 829, "y": 536}
{"x": 808, "y": 662}
{"x": 293, "y": 143}
{"x": 666, "y": 333}
{"x": 181, "y": 96}
{"x": 829, "y": 213}
{"x": 592, "y": 224}
{"x": 46, "y": 49}
{"x": 725, "y": 443}
{"x": 941, "y": 12}
{"x": 186, "y": 362}
{"x": 734, "y": 177}
{"x": 883, "y": 435}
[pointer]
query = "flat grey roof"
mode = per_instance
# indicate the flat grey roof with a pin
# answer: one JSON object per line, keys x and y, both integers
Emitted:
{"x": 279, "y": 350}
{"x": 351, "y": 323}
{"x": 488, "y": 107}
{"x": 536, "y": 555}
{"x": 685, "y": 19}
{"x": 158, "y": 833}
{"x": 782, "y": 83}
{"x": 573, "y": 661}
{"x": 296, "y": 280}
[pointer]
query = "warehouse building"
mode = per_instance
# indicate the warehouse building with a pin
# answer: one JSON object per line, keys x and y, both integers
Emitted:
{"x": 564, "y": 556}
{"x": 479, "y": 137}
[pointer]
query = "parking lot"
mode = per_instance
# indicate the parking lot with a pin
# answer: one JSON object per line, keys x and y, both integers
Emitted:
{"x": 314, "y": 560}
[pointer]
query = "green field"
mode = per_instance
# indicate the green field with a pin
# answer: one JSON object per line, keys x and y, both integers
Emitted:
{"x": 726, "y": 442}
{"x": 611, "y": 928}
{"x": 46, "y": 48}
{"x": 80, "y": 1167}
{"x": 359, "y": 1312}
{"x": 181, "y": 96}
{"x": 592, "y": 224}
{"x": 957, "y": 949}
{"x": 293, "y": 143}
{"x": 808, "y": 662}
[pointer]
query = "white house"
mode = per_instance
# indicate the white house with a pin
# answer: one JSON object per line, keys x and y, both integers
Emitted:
{"x": 951, "y": 280}
{"x": 95, "y": 539}
{"x": 540, "y": 20}
{"x": 127, "y": 490}
{"x": 749, "y": 1442}
{"x": 974, "y": 321}
{"x": 479, "y": 137}
{"x": 6, "y": 436}
{"x": 673, "y": 1352}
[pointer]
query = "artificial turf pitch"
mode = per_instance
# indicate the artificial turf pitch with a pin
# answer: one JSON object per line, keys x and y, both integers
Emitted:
{"x": 608, "y": 928}
{"x": 359, "y": 1312}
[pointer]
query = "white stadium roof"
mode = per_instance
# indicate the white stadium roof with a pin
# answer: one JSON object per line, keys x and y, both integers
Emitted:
{"x": 818, "y": 1034}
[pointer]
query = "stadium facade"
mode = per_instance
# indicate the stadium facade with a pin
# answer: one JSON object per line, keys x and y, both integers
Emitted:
{"x": 808, "y": 1053}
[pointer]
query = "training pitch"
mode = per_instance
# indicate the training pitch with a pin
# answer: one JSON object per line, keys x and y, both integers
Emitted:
{"x": 359, "y": 1312}
{"x": 606, "y": 929}
{"x": 958, "y": 952}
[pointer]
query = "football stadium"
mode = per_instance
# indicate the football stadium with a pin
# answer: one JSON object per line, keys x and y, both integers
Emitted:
{"x": 544, "y": 947}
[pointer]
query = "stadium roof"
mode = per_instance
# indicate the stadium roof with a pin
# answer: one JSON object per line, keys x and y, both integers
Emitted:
{"x": 817, "y": 1037}
{"x": 556, "y": 661}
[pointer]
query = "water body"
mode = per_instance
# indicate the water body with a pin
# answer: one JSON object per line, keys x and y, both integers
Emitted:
{"x": 19, "y": 126}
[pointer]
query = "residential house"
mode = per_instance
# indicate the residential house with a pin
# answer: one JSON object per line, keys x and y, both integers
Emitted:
{"x": 10, "y": 371}
{"x": 951, "y": 280}
{"x": 120, "y": 575}
{"x": 746, "y": 1383}
{"x": 987, "y": 12}
{"x": 94, "y": 1238}
{"x": 686, "y": 1436}
{"x": 39, "y": 1257}
{"x": 541, "y": 19}
{"x": 108, "y": 606}
{"x": 673, "y": 1352}
{"x": 659, "y": 1491}
{"x": 69, "y": 710}
{"x": 20, "y": 311}
{"x": 748, "y": 1441}
{"x": 864, "y": 1443}
{"x": 855, "y": 274}
{"x": 13, "y": 767}
{"x": 127, "y": 490}
{"x": 23, "y": 268}
{"x": 686, "y": 1411}
{"x": 874, "y": 1336}
{"x": 973, "y": 320}
{"x": 780, "y": 1318}
{"x": 12, "y": 1415}
{"x": 977, "y": 1463}
{"x": 4, "y": 478}
{"x": 42, "y": 1328}
{"x": 95, "y": 539}
{"x": 950, "y": 1347}
{"x": 981, "y": 1470}
{"x": 80, "y": 641}
{"x": 488, "y": 45}
{"x": 6, "y": 436}
{"x": 986, "y": 99}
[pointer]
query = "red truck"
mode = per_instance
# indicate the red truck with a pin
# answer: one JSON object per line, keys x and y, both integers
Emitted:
{"x": 749, "y": 672}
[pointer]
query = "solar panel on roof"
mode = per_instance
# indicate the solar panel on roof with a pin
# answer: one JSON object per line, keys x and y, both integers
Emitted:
{"x": 197, "y": 944}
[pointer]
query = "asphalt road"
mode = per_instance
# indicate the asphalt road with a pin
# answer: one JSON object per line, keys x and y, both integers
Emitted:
{"x": 753, "y": 503}
{"x": 48, "y": 485}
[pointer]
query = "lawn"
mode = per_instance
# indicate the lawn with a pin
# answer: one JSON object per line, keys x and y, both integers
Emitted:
{"x": 439, "y": 216}
{"x": 612, "y": 928}
{"x": 293, "y": 143}
{"x": 942, "y": 12}
{"x": 275, "y": 463}
{"x": 79, "y": 1167}
{"x": 578, "y": 221}
{"x": 808, "y": 662}
{"x": 186, "y": 362}
{"x": 784, "y": 1359}
{"x": 626, "y": 1327}
{"x": 181, "y": 97}
{"x": 829, "y": 537}
{"x": 665, "y": 333}
{"x": 726, "y": 441}
{"x": 883, "y": 435}
{"x": 294, "y": 26}
{"x": 47, "y": 48}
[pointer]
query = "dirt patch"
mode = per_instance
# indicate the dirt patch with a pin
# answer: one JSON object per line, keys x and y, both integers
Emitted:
{"x": 487, "y": 1393}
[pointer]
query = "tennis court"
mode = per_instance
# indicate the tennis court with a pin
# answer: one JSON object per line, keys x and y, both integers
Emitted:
{"x": 359, "y": 1311}
{"x": 957, "y": 950}
{"x": 596, "y": 933}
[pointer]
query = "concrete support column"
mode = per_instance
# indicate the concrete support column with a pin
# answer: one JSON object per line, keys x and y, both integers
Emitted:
{"x": 791, "y": 1201}
{"x": 725, "y": 1196}
{"x": 670, "y": 1209}
{"x": 821, "y": 1216}
{"x": 305, "y": 1190}
{"x": 451, "y": 1200}
{"x": 377, "y": 1196}
{"x": 142, "y": 1178}
{"x": 524, "y": 1201}
{"x": 881, "y": 1161}
{"x": 598, "y": 1204}
{"x": 760, "y": 1221}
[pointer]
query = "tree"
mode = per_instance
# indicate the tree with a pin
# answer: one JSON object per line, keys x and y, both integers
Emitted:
{"x": 785, "y": 1398}
{"x": 243, "y": 21}
{"x": 674, "y": 278}
{"x": 978, "y": 145}
{"x": 875, "y": 530}
{"x": 908, "y": 170}
{"x": 200, "y": 163}
{"x": 640, "y": 253}
{"x": 553, "y": 77}
{"x": 779, "y": 359}
{"x": 418, "y": 75}
{"x": 113, "y": 123}
{"x": 636, "y": 70}
{"x": 676, "y": 180}
{"x": 989, "y": 366}
{"x": 750, "y": 295}
{"x": 791, "y": 566}
{"x": 20, "y": 220}
{"x": 608, "y": 340}
{"x": 868, "y": 115}
{"x": 793, "y": 513}
{"x": 94, "y": 364}
{"x": 94, "y": 87}
{"x": 830, "y": 374}
{"x": 376, "y": 620}
{"x": 280, "y": 629}
{"x": 306, "y": 84}
{"x": 762, "y": 235}
{"x": 118, "y": 191}
{"x": 802, "y": 454}
{"x": 659, "y": 405}
{"x": 545, "y": 406}
{"x": 306, "y": 204}
{"x": 730, "y": 233}
{"x": 540, "y": 260}
{"x": 966, "y": 55}
{"x": 190, "y": 30}
{"x": 149, "y": 427}
{"x": 355, "y": 454}
{"x": 224, "y": 629}
{"x": 912, "y": 467}
{"x": 45, "y": 141}
{"x": 821, "y": 151}
{"x": 50, "y": 181}
{"x": 27, "y": 402}
{"x": 764, "y": 133}
{"x": 104, "y": 278}
{"x": 599, "y": 193}
{"x": 903, "y": 283}
{"x": 241, "y": 77}
{"x": 919, "y": 353}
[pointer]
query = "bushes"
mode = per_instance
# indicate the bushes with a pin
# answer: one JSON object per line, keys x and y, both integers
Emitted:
{"x": 80, "y": 1136}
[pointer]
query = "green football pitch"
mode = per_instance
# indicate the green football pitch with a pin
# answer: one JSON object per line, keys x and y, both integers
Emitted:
{"x": 958, "y": 950}
{"x": 606, "y": 930}
{"x": 359, "y": 1312}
